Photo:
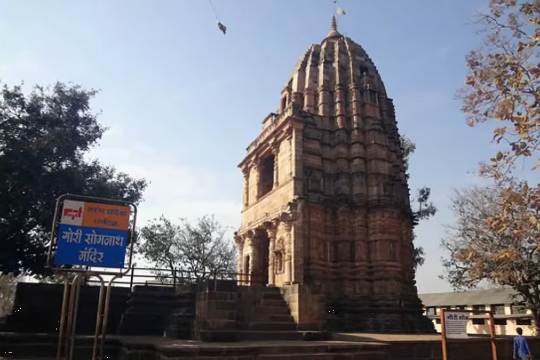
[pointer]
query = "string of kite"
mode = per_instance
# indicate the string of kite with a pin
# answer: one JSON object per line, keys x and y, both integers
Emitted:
{"x": 220, "y": 25}
{"x": 339, "y": 10}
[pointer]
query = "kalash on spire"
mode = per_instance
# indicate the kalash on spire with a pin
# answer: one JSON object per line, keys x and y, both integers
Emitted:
{"x": 333, "y": 28}
{"x": 326, "y": 214}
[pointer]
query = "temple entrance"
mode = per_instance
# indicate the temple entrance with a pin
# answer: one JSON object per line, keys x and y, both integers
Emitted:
{"x": 262, "y": 243}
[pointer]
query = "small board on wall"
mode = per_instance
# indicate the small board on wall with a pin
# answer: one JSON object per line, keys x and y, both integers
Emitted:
{"x": 454, "y": 327}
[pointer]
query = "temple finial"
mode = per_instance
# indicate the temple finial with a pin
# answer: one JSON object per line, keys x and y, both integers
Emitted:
{"x": 333, "y": 28}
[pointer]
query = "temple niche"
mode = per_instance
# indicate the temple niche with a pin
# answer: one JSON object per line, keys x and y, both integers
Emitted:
{"x": 326, "y": 214}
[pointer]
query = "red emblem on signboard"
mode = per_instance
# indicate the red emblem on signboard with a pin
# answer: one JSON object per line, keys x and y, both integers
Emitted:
{"x": 72, "y": 213}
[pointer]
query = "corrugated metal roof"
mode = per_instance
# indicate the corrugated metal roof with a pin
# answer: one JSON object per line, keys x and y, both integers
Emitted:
{"x": 474, "y": 297}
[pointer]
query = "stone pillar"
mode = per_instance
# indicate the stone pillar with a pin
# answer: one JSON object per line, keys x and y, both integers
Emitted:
{"x": 246, "y": 187}
{"x": 271, "y": 231}
{"x": 255, "y": 261}
{"x": 341, "y": 121}
{"x": 275, "y": 152}
{"x": 240, "y": 254}
{"x": 356, "y": 106}
{"x": 324, "y": 101}
{"x": 287, "y": 253}
{"x": 255, "y": 182}
{"x": 309, "y": 100}
{"x": 247, "y": 250}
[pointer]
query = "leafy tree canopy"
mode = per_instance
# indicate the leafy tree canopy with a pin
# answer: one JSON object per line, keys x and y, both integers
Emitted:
{"x": 43, "y": 137}
{"x": 503, "y": 84}
{"x": 484, "y": 248}
{"x": 497, "y": 234}
{"x": 201, "y": 250}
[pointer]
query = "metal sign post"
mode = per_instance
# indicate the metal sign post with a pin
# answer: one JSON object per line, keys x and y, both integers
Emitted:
{"x": 89, "y": 236}
{"x": 454, "y": 326}
{"x": 492, "y": 336}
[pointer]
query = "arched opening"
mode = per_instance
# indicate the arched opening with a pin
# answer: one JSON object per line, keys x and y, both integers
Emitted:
{"x": 259, "y": 271}
{"x": 263, "y": 244}
{"x": 266, "y": 175}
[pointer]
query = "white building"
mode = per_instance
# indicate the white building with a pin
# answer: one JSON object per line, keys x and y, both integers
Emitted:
{"x": 502, "y": 302}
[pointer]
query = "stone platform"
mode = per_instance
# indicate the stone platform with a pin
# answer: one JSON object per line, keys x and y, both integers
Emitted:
{"x": 428, "y": 346}
{"x": 43, "y": 347}
{"x": 349, "y": 346}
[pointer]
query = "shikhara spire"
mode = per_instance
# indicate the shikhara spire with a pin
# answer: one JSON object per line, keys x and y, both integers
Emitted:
{"x": 333, "y": 28}
{"x": 326, "y": 200}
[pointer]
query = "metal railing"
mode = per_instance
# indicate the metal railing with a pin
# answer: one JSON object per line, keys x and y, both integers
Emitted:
{"x": 146, "y": 276}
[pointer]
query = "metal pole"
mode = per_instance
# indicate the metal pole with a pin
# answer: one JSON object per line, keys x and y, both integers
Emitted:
{"x": 492, "y": 336}
{"x": 69, "y": 322}
{"x": 72, "y": 316}
{"x": 63, "y": 311}
{"x": 107, "y": 305}
{"x": 106, "y": 315}
{"x": 443, "y": 336}
{"x": 131, "y": 279}
{"x": 75, "y": 314}
{"x": 133, "y": 237}
{"x": 99, "y": 319}
{"x": 53, "y": 231}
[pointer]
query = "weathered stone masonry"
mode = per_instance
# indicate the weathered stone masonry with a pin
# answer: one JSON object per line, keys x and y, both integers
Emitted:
{"x": 326, "y": 213}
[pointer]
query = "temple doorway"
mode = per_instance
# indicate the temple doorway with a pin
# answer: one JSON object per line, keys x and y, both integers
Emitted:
{"x": 262, "y": 243}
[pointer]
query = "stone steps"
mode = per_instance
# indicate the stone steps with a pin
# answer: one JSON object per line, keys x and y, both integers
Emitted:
{"x": 250, "y": 313}
{"x": 272, "y": 325}
{"x": 273, "y": 317}
{"x": 249, "y": 335}
{"x": 273, "y": 310}
{"x": 272, "y": 296}
{"x": 273, "y": 303}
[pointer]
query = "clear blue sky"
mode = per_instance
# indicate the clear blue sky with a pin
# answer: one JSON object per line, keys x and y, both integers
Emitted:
{"x": 182, "y": 101}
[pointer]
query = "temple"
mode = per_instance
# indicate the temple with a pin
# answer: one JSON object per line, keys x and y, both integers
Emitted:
{"x": 326, "y": 215}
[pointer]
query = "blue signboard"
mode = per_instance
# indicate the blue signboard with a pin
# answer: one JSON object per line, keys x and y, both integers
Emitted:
{"x": 92, "y": 234}
{"x": 99, "y": 247}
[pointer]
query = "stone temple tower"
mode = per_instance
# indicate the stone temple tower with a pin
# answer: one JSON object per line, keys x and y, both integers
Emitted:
{"x": 326, "y": 214}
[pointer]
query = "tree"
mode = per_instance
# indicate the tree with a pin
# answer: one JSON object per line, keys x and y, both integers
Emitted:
{"x": 497, "y": 234}
{"x": 424, "y": 211}
{"x": 425, "y": 208}
{"x": 43, "y": 139}
{"x": 483, "y": 249}
{"x": 200, "y": 249}
{"x": 503, "y": 81}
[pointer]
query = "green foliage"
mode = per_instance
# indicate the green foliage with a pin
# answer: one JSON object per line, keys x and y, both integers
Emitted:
{"x": 199, "y": 249}
{"x": 408, "y": 147}
{"x": 425, "y": 208}
{"x": 43, "y": 137}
